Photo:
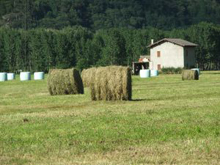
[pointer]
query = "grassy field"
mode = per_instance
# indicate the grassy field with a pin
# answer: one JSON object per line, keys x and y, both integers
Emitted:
{"x": 169, "y": 121}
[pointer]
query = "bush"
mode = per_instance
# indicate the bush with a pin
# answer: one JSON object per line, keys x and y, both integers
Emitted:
{"x": 171, "y": 70}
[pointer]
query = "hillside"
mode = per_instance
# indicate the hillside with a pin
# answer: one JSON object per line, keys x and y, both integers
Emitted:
{"x": 101, "y": 14}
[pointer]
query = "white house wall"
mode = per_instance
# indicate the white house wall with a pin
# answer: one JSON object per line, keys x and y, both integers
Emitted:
{"x": 171, "y": 55}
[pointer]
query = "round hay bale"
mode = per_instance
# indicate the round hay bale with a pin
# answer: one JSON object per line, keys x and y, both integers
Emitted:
{"x": 64, "y": 82}
{"x": 38, "y": 75}
{"x": 3, "y": 76}
{"x": 87, "y": 76}
{"x": 190, "y": 75}
{"x": 196, "y": 69}
{"x": 111, "y": 83}
{"x": 145, "y": 73}
{"x": 25, "y": 76}
{"x": 154, "y": 73}
{"x": 11, "y": 76}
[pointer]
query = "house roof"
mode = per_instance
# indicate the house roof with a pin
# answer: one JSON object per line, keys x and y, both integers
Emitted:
{"x": 176, "y": 41}
{"x": 145, "y": 56}
{"x": 144, "y": 59}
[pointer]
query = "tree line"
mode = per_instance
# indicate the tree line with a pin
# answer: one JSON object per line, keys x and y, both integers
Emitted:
{"x": 105, "y": 14}
{"x": 42, "y": 49}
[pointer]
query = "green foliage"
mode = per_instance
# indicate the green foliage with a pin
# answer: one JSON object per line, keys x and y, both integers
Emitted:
{"x": 171, "y": 70}
{"x": 206, "y": 35}
{"x": 102, "y": 14}
{"x": 114, "y": 51}
{"x": 102, "y": 32}
{"x": 42, "y": 49}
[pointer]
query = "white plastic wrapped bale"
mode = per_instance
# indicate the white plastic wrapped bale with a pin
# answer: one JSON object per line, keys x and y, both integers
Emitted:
{"x": 154, "y": 73}
{"x": 145, "y": 73}
{"x": 197, "y": 69}
{"x": 10, "y": 76}
{"x": 25, "y": 76}
{"x": 3, "y": 76}
{"x": 38, "y": 75}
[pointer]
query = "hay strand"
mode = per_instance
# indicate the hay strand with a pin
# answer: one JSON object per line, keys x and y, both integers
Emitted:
{"x": 64, "y": 82}
{"x": 87, "y": 76}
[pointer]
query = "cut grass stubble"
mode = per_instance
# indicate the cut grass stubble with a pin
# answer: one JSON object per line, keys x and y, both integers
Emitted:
{"x": 169, "y": 122}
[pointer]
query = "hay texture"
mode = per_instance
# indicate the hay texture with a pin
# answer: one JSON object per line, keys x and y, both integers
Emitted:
{"x": 87, "y": 76}
{"x": 190, "y": 75}
{"x": 64, "y": 82}
{"x": 111, "y": 83}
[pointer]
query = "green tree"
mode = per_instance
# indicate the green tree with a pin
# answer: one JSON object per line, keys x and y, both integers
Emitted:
{"x": 114, "y": 51}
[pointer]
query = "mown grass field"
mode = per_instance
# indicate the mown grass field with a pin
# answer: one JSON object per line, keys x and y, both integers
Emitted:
{"x": 169, "y": 121}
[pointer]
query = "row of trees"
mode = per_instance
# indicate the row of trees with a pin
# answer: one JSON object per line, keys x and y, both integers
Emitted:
{"x": 42, "y": 49}
{"x": 103, "y": 14}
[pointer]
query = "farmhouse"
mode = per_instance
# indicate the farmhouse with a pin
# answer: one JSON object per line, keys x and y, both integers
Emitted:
{"x": 171, "y": 52}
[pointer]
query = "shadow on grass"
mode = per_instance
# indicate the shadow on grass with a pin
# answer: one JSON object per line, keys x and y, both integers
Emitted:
{"x": 214, "y": 73}
{"x": 211, "y": 72}
{"x": 136, "y": 100}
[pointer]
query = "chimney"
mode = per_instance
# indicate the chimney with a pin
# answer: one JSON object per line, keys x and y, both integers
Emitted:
{"x": 152, "y": 41}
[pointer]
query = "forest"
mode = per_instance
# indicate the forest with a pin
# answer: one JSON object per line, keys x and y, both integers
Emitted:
{"x": 104, "y": 14}
{"x": 42, "y": 49}
{"x": 36, "y": 35}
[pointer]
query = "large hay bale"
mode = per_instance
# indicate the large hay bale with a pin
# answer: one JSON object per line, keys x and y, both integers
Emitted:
{"x": 65, "y": 81}
{"x": 87, "y": 76}
{"x": 190, "y": 75}
{"x": 111, "y": 83}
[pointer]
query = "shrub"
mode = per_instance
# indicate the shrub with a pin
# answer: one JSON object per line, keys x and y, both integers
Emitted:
{"x": 171, "y": 70}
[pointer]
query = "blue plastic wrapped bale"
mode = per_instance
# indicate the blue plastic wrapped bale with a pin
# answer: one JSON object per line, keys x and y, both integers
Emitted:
{"x": 25, "y": 76}
{"x": 197, "y": 69}
{"x": 145, "y": 73}
{"x": 3, "y": 76}
{"x": 11, "y": 76}
{"x": 38, "y": 75}
{"x": 154, "y": 73}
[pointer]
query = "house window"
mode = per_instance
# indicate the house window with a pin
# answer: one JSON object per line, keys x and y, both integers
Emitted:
{"x": 158, "y": 53}
{"x": 158, "y": 67}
